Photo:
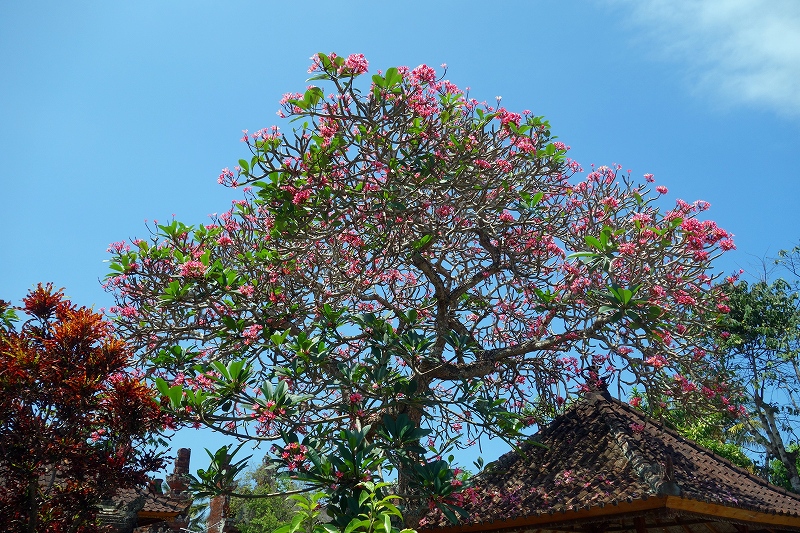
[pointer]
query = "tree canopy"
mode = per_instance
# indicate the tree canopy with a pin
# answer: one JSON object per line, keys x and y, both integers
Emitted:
{"x": 74, "y": 425}
{"x": 760, "y": 343}
{"x": 410, "y": 269}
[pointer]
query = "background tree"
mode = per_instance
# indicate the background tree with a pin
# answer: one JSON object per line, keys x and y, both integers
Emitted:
{"x": 778, "y": 473}
{"x": 719, "y": 431}
{"x": 73, "y": 422}
{"x": 411, "y": 269}
{"x": 262, "y": 514}
{"x": 760, "y": 340}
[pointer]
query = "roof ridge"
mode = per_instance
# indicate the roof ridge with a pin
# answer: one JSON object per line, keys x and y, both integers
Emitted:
{"x": 674, "y": 433}
{"x": 651, "y": 474}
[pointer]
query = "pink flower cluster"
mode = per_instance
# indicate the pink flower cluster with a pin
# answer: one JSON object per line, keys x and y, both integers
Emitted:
{"x": 192, "y": 269}
{"x": 356, "y": 398}
{"x": 423, "y": 74}
{"x": 295, "y": 456}
{"x": 356, "y": 64}
{"x": 657, "y": 361}
{"x": 252, "y": 333}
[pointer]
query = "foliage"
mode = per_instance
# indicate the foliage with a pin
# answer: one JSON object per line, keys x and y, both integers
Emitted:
{"x": 377, "y": 515}
{"x": 719, "y": 431}
{"x": 408, "y": 271}
{"x": 72, "y": 420}
{"x": 760, "y": 342}
{"x": 262, "y": 514}
{"x": 779, "y": 475}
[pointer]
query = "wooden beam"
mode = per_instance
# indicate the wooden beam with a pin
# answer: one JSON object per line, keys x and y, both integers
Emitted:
{"x": 732, "y": 513}
{"x": 673, "y": 503}
{"x": 551, "y": 521}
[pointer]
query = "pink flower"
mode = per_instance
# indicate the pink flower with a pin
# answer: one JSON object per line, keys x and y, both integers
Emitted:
{"x": 301, "y": 196}
{"x": 661, "y": 189}
{"x": 610, "y": 201}
{"x": 636, "y": 401}
{"x": 506, "y": 216}
{"x": 246, "y": 290}
{"x": 423, "y": 74}
{"x": 503, "y": 165}
{"x": 525, "y": 144}
{"x": 444, "y": 211}
{"x": 225, "y": 176}
{"x": 128, "y": 311}
{"x": 507, "y": 117}
{"x": 658, "y": 291}
{"x": 356, "y": 64}
{"x": 192, "y": 269}
{"x": 657, "y": 361}
{"x": 316, "y": 64}
{"x": 251, "y": 333}
{"x": 356, "y": 398}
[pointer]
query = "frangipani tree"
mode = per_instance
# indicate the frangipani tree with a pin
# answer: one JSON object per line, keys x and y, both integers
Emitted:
{"x": 408, "y": 263}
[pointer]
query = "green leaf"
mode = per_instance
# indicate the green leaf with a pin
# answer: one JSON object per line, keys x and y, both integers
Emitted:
{"x": 162, "y": 386}
{"x": 593, "y": 242}
{"x": 175, "y": 395}
{"x": 393, "y": 77}
{"x": 420, "y": 244}
{"x": 448, "y": 512}
{"x": 352, "y": 526}
{"x": 379, "y": 80}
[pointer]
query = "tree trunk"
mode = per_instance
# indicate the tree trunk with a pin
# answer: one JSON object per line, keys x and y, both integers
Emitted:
{"x": 33, "y": 509}
{"x": 775, "y": 443}
{"x": 413, "y": 509}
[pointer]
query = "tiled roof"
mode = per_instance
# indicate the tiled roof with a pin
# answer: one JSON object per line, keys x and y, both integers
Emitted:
{"x": 154, "y": 502}
{"x": 601, "y": 453}
{"x": 142, "y": 507}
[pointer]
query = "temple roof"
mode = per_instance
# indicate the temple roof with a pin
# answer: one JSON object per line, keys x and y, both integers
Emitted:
{"x": 603, "y": 458}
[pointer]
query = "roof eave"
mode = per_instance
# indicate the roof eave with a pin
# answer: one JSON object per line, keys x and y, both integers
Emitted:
{"x": 679, "y": 504}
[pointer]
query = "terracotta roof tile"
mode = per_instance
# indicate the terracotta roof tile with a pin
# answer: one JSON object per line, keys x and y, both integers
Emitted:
{"x": 602, "y": 452}
{"x": 153, "y": 502}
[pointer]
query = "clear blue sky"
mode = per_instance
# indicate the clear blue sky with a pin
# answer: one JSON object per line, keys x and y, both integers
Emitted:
{"x": 116, "y": 112}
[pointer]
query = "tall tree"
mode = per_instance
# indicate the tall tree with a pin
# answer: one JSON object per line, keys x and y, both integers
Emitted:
{"x": 73, "y": 423}
{"x": 760, "y": 339}
{"x": 409, "y": 269}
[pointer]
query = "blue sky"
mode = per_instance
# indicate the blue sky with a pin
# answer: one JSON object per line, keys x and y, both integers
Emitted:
{"x": 113, "y": 113}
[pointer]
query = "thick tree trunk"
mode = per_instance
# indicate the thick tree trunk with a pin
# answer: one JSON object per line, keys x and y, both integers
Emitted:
{"x": 413, "y": 508}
